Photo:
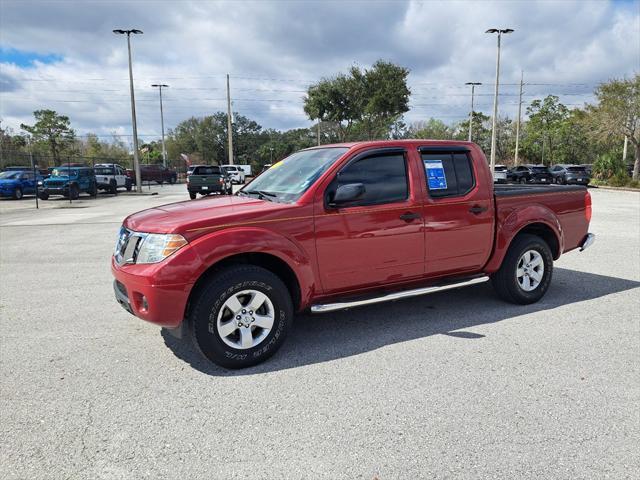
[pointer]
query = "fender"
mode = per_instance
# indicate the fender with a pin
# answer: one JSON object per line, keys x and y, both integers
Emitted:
{"x": 518, "y": 219}
{"x": 217, "y": 246}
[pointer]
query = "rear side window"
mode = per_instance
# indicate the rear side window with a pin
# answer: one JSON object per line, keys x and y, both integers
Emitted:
{"x": 206, "y": 171}
{"x": 384, "y": 178}
{"x": 448, "y": 174}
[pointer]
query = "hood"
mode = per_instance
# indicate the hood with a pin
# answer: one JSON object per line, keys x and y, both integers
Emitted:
{"x": 184, "y": 217}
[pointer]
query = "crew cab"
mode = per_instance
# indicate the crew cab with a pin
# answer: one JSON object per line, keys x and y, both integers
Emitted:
{"x": 154, "y": 173}
{"x": 111, "y": 176}
{"x": 207, "y": 179}
{"x": 337, "y": 227}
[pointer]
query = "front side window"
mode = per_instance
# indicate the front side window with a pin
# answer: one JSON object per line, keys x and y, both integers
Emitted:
{"x": 63, "y": 172}
{"x": 288, "y": 179}
{"x": 384, "y": 177}
{"x": 448, "y": 174}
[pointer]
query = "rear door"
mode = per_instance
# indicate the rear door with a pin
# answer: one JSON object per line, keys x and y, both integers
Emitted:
{"x": 379, "y": 238}
{"x": 458, "y": 212}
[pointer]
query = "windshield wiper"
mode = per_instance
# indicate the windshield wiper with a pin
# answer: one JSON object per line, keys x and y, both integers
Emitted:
{"x": 262, "y": 194}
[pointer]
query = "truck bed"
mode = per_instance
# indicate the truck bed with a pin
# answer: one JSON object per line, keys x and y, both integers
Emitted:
{"x": 567, "y": 202}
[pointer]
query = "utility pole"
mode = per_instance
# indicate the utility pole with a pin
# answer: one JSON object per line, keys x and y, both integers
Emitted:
{"x": 229, "y": 123}
{"x": 164, "y": 149}
{"x": 136, "y": 160}
{"x": 519, "y": 115}
{"x": 473, "y": 88}
{"x": 318, "y": 132}
{"x": 494, "y": 121}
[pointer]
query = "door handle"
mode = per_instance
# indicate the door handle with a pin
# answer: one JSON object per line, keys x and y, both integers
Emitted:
{"x": 409, "y": 216}
{"x": 477, "y": 209}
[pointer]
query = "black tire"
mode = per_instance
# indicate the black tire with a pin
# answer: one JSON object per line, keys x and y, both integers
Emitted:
{"x": 172, "y": 180}
{"x": 43, "y": 196}
{"x": 113, "y": 187}
{"x": 523, "y": 180}
{"x": 17, "y": 193}
{"x": 210, "y": 300}
{"x": 192, "y": 195}
{"x": 74, "y": 192}
{"x": 505, "y": 280}
{"x": 128, "y": 185}
{"x": 93, "y": 191}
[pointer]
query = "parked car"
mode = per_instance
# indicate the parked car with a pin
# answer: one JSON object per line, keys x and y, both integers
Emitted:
{"x": 154, "y": 173}
{"x": 570, "y": 174}
{"x": 17, "y": 183}
{"x": 69, "y": 182}
{"x": 500, "y": 174}
{"x": 235, "y": 173}
{"x": 337, "y": 227}
{"x": 207, "y": 179}
{"x": 530, "y": 174}
{"x": 588, "y": 168}
{"x": 111, "y": 177}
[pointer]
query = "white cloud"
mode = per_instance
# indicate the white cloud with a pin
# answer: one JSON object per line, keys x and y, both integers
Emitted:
{"x": 273, "y": 50}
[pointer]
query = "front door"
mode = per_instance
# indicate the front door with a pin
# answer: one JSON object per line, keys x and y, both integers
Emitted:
{"x": 377, "y": 239}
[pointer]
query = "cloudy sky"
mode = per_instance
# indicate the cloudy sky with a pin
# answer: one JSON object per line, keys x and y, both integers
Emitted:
{"x": 63, "y": 55}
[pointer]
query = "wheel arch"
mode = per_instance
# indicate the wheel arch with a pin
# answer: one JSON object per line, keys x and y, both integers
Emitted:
{"x": 268, "y": 261}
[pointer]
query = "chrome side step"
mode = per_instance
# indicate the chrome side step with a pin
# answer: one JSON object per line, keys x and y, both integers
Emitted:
{"x": 330, "y": 307}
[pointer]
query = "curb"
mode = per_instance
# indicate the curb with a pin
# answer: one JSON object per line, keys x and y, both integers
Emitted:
{"x": 619, "y": 189}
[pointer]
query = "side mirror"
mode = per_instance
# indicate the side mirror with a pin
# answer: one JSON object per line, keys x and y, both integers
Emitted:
{"x": 347, "y": 193}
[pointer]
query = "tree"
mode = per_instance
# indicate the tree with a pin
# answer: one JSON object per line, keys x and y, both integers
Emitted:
{"x": 618, "y": 113}
{"x": 481, "y": 134}
{"x": 53, "y": 129}
{"x": 433, "y": 129}
{"x": 363, "y": 103}
{"x": 543, "y": 129}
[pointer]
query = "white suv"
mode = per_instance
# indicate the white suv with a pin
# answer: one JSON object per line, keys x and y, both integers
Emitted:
{"x": 236, "y": 174}
{"x": 111, "y": 176}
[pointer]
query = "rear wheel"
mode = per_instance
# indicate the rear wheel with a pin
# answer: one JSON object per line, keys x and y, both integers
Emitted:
{"x": 192, "y": 195}
{"x": 17, "y": 194}
{"x": 526, "y": 271}
{"x": 113, "y": 187}
{"x": 241, "y": 316}
{"x": 523, "y": 180}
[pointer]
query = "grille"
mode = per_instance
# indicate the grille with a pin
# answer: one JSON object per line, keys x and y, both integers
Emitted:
{"x": 127, "y": 245}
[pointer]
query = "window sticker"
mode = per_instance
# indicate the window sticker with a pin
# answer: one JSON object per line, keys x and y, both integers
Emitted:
{"x": 436, "y": 179}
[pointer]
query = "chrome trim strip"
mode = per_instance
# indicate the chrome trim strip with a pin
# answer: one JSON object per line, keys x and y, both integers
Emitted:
{"x": 330, "y": 307}
{"x": 588, "y": 241}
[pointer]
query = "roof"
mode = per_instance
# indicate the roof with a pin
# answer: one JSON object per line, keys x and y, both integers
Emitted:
{"x": 395, "y": 143}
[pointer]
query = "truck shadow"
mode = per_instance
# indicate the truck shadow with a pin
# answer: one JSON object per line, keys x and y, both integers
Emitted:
{"x": 330, "y": 336}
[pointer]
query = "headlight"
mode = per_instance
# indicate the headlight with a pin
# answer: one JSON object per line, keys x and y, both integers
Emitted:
{"x": 156, "y": 247}
{"x": 40, "y": 183}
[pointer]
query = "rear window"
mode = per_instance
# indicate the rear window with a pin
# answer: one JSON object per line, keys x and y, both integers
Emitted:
{"x": 540, "y": 169}
{"x": 206, "y": 171}
{"x": 576, "y": 169}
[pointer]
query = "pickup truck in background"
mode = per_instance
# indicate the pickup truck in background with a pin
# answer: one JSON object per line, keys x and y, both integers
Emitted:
{"x": 154, "y": 173}
{"x": 337, "y": 227}
{"x": 111, "y": 176}
{"x": 207, "y": 179}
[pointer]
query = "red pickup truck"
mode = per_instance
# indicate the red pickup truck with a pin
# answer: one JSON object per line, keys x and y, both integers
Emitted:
{"x": 336, "y": 227}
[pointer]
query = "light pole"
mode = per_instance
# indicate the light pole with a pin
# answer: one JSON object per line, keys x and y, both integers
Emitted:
{"x": 164, "y": 150}
{"x": 136, "y": 161}
{"x": 494, "y": 121}
{"x": 271, "y": 155}
{"x": 473, "y": 88}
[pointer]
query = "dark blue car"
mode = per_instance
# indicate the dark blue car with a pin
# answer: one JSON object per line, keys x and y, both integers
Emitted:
{"x": 17, "y": 183}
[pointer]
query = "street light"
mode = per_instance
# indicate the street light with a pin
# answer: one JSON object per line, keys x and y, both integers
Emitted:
{"x": 136, "y": 161}
{"x": 473, "y": 87}
{"x": 164, "y": 150}
{"x": 499, "y": 31}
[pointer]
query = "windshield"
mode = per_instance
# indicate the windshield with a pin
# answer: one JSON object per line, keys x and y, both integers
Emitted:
{"x": 288, "y": 179}
{"x": 104, "y": 171}
{"x": 63, "y": 172}
{"x": 230, "y": 169}
{"x": 7, "y": 175}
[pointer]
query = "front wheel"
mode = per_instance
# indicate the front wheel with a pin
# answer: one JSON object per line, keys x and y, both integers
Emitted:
{"x": 523, "y": 181}
{"x": 192, "y": 195}
{"x": 74, "y": 192}
{"x": 241, "y": 316}
{"x": 43, "y": 196}
{"x": 17, "y": 194}
{"x": 526, "y": 271}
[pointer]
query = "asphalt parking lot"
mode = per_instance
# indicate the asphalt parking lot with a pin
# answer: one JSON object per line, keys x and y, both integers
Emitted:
{"x": 452, "y": 385}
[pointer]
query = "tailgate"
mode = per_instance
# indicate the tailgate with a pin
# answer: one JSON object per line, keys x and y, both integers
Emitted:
{"x": 204, "y": 180}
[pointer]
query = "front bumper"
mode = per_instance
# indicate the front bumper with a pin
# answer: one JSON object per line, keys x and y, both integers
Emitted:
{"x": 138, "y": 291}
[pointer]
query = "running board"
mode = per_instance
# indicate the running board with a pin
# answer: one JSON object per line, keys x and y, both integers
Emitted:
{"x": 330, "y": 307}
